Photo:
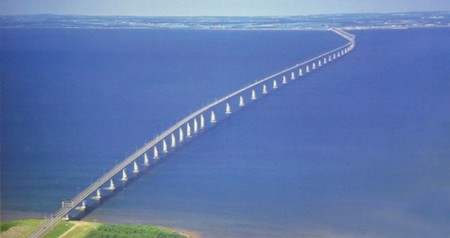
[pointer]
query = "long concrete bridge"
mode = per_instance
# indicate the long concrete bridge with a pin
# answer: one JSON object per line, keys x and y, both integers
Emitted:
{"x": 187, "y": 127}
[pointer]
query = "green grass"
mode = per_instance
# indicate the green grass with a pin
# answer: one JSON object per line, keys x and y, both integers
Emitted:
{"x": 18, "y": 228}
{"x": 23, "y": 228}
{"x": 59, "y": 229}
{"x": 131, "y": 231}
{"x": 4, "y": 226}
{"x": 81, "y": 229}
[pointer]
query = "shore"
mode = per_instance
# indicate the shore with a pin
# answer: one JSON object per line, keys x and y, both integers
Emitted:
{"x": 83, "y": 229}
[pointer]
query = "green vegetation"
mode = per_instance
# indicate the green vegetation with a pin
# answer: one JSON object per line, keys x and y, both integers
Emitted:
{"x": 82, "y": 229}
{"x": 59, "y": 229}
{"x": 132, "y": 231}
{"x": 4, "y": 226}
{"x": 18, "y": 228}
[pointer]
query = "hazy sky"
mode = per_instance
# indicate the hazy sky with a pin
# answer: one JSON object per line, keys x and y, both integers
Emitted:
{"x": 215, "y": 7}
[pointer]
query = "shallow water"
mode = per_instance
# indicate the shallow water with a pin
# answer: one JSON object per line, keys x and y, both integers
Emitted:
{"x": 360, "y": 148}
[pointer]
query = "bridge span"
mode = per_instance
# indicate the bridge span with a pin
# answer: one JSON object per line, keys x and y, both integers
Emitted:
{"x": 187, "y": 127}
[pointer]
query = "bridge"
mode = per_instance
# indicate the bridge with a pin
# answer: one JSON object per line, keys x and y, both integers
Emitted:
{"x": 187, "y": 127}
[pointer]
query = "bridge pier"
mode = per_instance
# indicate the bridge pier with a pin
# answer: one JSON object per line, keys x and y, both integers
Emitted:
{"x": 307, "y": 68}
{"x": 274, "y": 86}
{"x": 253, "y": 94}
{"x": 173, "y": 142}
{"x": 155, "y": 153}
{"x": 202, "y": 121}
{"x": 313, "y": 65}
{"x": 292, "y": 75}
{"x": 241, "y": 101}
{"x": 300, "y": 72}
{"x": 320, "y": 63}
{"x": 188, "y": 130}
{"x": 284, "y": 80}
{"x": 135, "y": 167}
{"x": 165, "y": 146}
{"x": 111, "y": 186}
{"x": 98, "y": 195}
{"x": 146, "y": 162}
{"x": 213, "y": 117}
{"x": 264, "y": 90}
{"x": 82, "y": 207}
{"x": 195, "y": 125}
{"x": 180, "y": 134}
{"x": 124, "y": 176}
{"x": 227, "y": 109}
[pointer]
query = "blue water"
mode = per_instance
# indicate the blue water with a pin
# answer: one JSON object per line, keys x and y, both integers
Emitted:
{"x": 358, "y": 149}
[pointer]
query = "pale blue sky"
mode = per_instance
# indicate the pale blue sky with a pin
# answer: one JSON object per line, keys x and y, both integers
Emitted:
{"x": 215, "y": 7}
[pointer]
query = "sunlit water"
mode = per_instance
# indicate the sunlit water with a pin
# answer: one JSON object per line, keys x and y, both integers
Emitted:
{"x": 359, "y": 149}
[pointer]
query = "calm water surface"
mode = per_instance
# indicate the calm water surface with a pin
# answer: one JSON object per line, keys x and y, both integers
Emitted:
{"x": 359, "y": 149}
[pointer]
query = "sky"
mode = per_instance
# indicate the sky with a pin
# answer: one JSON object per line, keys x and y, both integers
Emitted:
{"x": 216, "y": 7}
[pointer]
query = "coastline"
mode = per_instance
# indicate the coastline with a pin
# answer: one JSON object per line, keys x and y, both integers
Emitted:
{"x": 8, "y": 216}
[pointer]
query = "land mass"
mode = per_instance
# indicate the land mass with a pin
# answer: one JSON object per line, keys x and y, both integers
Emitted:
{"x": 402, "y": 20}
{"x": 83, "y": 229}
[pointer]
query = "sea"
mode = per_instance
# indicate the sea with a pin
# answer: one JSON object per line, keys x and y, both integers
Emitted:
{"x": 359, "y": 148}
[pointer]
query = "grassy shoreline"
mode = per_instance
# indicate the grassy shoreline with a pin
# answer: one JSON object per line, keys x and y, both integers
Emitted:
{"x": 82, "y": 229}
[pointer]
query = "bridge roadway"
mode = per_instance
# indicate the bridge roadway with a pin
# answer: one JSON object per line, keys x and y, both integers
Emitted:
{"x": 301, "y": 69}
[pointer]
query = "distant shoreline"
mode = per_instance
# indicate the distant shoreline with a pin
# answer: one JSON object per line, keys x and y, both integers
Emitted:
{"x": 363, "y": 21}
{"x": 237, "y": 29}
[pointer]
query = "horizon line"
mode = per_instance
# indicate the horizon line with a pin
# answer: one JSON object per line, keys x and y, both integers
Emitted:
{"x": 226, "y": 16}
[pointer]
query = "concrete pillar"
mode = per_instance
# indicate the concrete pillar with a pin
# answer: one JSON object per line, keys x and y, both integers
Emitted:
{"x": 202, "y": 121}
{"x": 135, "y": 167}
{"x": 165, "y": 150}
{"x": 111, "y": 185}
{"x": 155, "y": 153}
{"x": 124, "y": 176}
{"x": 180, "y": 134}
{"x": 188, "y": 130}
{"x": 146, "y": 162}
{"x": 241, "y": 101}
{"x": 173, "y": 141}
{"x": 227, "y": 109}
{"x": 195, "y": 125}
{"x": 213, "y": 117}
